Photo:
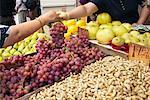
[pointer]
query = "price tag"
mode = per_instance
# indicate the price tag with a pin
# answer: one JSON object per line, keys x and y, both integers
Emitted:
{"x": 138, "y": 52}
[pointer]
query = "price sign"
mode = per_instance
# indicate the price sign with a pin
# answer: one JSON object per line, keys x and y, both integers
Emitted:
{"x": 138, "y": 52}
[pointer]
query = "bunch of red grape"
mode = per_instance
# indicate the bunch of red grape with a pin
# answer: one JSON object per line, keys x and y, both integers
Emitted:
{"x": 57, "y": 33}
{"x": 53, "y": 62}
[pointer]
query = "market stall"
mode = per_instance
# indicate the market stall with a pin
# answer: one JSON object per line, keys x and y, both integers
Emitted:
{"x": 79, "y": 61}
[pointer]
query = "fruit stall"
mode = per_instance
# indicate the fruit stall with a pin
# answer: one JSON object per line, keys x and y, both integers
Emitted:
{"x": 99, "y": 60}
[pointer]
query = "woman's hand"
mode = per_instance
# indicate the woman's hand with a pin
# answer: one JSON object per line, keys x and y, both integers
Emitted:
{"x": 49, "y": 17}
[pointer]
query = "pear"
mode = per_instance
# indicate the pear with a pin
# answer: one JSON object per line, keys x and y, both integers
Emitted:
{"x": 116, "y": 23}
{"x": 118, "y": 41}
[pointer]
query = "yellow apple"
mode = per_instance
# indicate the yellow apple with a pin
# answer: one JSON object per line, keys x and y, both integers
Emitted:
{"x": 135, "y": 33}
{"x": 105, "y": 36}
{"x": 103, "y": 18}
{"x": 8, "y": 49}
{"x": 118, "y": 41}
{"x": 127, "y": 26}
{"x": 119, "y": 30}
{"x": 103, "y": 26}
{"x": 1, "y": 50}
{"x": 116, "y": 23}
{"x": 126, "y": 37}
{"x": 6, "y": 54}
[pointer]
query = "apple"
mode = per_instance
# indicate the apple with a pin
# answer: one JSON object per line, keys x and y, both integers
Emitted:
{"x": 8, "y": 48}
{"x": 126, "y": 37}
{"x": 12, "y": 51}
{"x": 1, "y": 58}
{"x": 1, "y": 50}
{"x": 119, "y": 30}
{"x": 6, "y": 54}
{"x": 116, "y": 23}
{"x": 105, "y": 36}
{"x": 134, "y": 39}
{"x": 15, "y": 46}
{"x": 118, "y": 41}
{"x": 21, "y": 47}
{"x": 127, "y": 26}
{"x": 92, "y": 28}
{"x": 135, "y": 33}
{"x": 103, "y": 26}
{"x": 17, "y": 53}
{"x": 103, "y": 18}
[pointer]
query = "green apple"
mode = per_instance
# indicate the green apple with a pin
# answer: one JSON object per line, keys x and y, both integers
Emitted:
{"x": 21, "y": 47}
{"x": 135, "y": 33}
{"x": 127, "y": 26}
{"x": 34, "y": 36}
{"x": 6, "y": 54}
{"x": 105, "y": 36}
{"x": 118, "y": 41}
{"x": 17, "y": 53}
{"x": 8, "y": 49}
{"x": 1, "y": 50}
{"x": 1, "y": 58}
{"x": 116, "y": 23}
{"x": 26, "y": 49}
{"x": 27, "y": 40}
{"x": 12, "y": 51}
{"x": 92, "y": 28}
{"x": 15, "y": 46}
{"x": 119, "y": 30}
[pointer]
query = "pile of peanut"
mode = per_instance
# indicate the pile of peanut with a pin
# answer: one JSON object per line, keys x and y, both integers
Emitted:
{"x": 112, "y": 78}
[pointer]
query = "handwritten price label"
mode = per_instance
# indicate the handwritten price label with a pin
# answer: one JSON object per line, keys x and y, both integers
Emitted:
{"x": 138, "y": 52}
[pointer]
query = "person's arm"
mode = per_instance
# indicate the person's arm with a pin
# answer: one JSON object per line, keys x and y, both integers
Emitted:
{"x": 23, "y": 30}
{"x": 80, "y": 11}
{"x": 144, "y": 15}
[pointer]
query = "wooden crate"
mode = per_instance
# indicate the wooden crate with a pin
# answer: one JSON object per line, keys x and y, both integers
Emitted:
{"x": 138, "y": 52}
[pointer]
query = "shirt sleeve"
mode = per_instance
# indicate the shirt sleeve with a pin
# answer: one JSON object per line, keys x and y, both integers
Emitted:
{"x": 98, "y": 3}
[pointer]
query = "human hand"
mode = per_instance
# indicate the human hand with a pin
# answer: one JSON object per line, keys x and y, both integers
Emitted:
{"x": 49, "y": 17}
{"x": 63, "y": 15}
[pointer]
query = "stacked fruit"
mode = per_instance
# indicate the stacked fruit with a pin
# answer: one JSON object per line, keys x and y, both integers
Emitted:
{"x": 52, "y": 62}
{"x": 26, "y": 46}
{"x": 73, "y": 26}
{"x": 118, "y": 34}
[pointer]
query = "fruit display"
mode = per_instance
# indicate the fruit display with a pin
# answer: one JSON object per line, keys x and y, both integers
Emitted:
{"x": 112, "y": 78}
{"x": 24, "y": 47}
{"x": 116, "y": 34}
{"x": 53, "y": 62}
{"x": 73, "y": 26}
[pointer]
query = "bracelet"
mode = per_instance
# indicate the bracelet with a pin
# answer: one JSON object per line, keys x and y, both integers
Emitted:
{"x": 38, "y": 19}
